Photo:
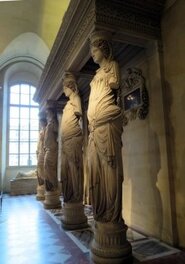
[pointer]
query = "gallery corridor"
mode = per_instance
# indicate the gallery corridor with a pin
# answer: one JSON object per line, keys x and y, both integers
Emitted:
{"x": 30, "y": 235}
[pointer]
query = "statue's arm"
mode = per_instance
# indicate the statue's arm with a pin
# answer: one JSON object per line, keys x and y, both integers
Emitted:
{"x": 114, "y": 76}
{"x": 38, "y": 145}
{"x": 77, "y": 106}
{"x": 78, "y": 109}
{"x": 55, "y": 127}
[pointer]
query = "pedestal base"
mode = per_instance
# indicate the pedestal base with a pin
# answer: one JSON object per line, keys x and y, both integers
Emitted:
{"x": 73, "y": 216}
{"x": 52, "y": 200}
{"x": 110, "y": 245}
{"x": 40, "y": 192}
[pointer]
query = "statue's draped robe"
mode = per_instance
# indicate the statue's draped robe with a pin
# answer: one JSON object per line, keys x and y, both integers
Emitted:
{"x": 40, "y": 157}
{"x": 104, "y": 148}
{"x": 51, "y": 156}
{"x": 71, "y": 157}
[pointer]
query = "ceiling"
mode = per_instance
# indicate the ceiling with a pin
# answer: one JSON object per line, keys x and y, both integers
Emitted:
{"x": 42, "y": 17}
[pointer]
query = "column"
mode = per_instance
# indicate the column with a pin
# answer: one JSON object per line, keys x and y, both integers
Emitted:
{"x": 40, "y": 157}
{"x": 110, "y": 245}
{"x": 72, "y": 177}
{"x": 52, "y": 193}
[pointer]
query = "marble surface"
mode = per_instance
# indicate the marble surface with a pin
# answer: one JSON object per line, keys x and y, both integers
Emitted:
{"x": 29, "y": 235}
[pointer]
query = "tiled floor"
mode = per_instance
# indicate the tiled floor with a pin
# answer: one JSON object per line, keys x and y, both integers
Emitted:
{"x": 29, "y": 235}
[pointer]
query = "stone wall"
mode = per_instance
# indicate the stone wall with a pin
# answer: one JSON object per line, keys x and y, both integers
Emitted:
{"x": 1, "y": 115}
{"x": 146, "y": 196}
{"x": 154, "y": 149}
{"x": 173, "y": 33}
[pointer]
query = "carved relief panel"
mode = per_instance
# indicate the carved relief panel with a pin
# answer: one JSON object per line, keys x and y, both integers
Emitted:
{"x": 134, "y": 96}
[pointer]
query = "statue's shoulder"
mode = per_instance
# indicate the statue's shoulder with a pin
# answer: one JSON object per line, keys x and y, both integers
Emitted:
{"x": 76, "y": 97}
{"x": 111, "y": 66}
{"x": 76, "y": 100}
{"x": 114, "y": 64}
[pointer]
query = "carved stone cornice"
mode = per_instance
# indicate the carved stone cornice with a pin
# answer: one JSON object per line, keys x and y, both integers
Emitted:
{"x": 78, "y": 20}
{"x": 139, "y": 17}
{"x": 70, "y": 51}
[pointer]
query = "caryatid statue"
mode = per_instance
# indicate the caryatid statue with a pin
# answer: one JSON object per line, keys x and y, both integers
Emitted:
{"x": 71, "y": 157}
{"x": 40, "y": 159}
{"x": 104, "y": 156}
{"x": 52, "y": 195}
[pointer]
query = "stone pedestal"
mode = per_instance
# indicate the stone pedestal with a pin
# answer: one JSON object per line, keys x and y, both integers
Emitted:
{"x": 24, "y": 185}
{"x": 110, "y": 245}
{"x": 73, "y": 216}
{"x": 52, "y": 200}
{"x": 40, "y": 192}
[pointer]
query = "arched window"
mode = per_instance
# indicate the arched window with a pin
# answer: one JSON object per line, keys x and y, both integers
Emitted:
{"x": 23, "y": 126}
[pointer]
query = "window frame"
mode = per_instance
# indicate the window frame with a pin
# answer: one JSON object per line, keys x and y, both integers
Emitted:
{"x": 29, "y": 153}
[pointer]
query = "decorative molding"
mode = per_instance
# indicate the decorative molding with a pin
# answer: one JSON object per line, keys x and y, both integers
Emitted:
{"x": 134, "y": 96}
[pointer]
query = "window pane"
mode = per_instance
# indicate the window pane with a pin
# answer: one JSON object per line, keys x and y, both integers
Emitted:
{"x": 14, "y": 112}
{"x": 14, "y": 98}
{"x": 13, "y": 147}
{"x": 34, "y": 125}
{"x": 32, "y": 90}
{"x": 14, "y": 123}
{"x": 24, "y": 160}
{"x": 13, "y": 160}
{"x": 34, "y": 135}
{"x": 24, "y": 147}
{"x": 25, "y": 99}
{"x": 33, "y": 103}
{"x": 24, "y": 124}
{"x": 25, "y": 89}
{"x": 14, "y": 89}
{"x": 24, "y": 135}
{"x": 33, "y": 147}
{"x": 33, "y": 159}
{"x": 24, "y": 112}
{"x": 14, "y": 135}
{"x": 34, "y": 113}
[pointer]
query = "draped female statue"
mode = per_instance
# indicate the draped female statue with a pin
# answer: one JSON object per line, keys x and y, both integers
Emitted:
{"x": 105, "y": 126}
{"x": 40, "y": 159}
{"x": 71, "y": 133}
{"x": 109, "y": 244}
{"x": 51, "y": 151}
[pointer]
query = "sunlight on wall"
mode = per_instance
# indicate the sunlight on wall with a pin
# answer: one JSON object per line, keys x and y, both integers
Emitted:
{"x": 50, "y": 21}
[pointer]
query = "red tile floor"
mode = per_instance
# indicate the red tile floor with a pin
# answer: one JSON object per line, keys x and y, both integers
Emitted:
{"x": 28, "y": 235}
